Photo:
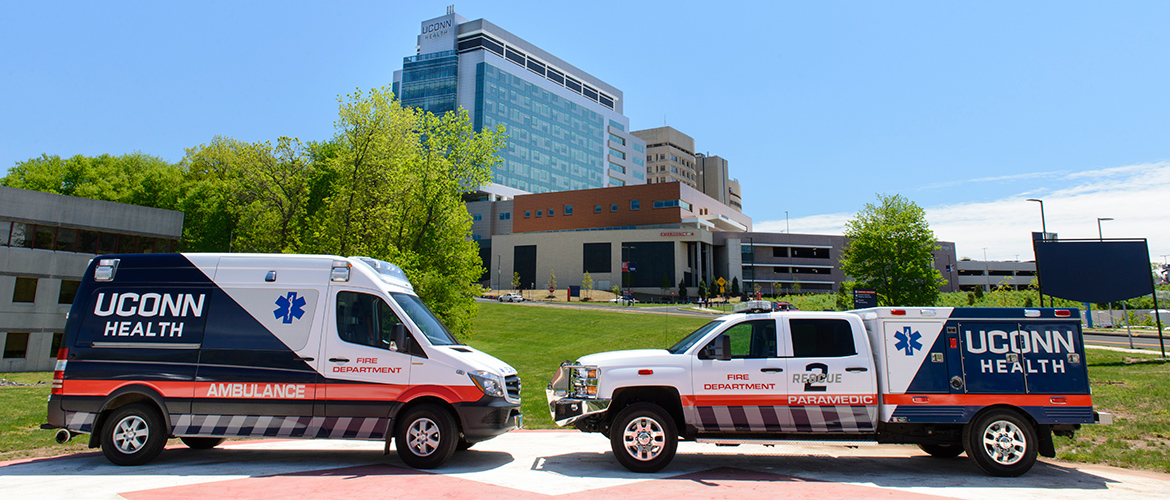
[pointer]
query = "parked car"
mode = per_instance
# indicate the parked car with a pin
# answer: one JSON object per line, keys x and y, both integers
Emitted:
{"x": 783, "y": 306}
{"x": 511, "y": 297}
{"x": 624, "y": 299}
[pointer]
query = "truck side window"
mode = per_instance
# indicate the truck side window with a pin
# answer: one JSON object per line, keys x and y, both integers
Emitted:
{"x": 365, "y": 319}
{"x": 821, "y": 338}
{"x": 753, "y": 339}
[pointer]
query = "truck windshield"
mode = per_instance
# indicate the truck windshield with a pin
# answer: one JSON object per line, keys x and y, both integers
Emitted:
{"x": 685, "y": 344}
{"x": 425, "y": 319}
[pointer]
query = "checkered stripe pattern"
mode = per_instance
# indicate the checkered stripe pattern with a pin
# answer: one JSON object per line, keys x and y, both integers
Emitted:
{"x": 843, "y": 419}
{"x": 273, "y": 426}
{"x": 79, "y": 421}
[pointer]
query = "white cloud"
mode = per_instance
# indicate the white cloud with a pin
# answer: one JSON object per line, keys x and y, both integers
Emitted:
{"x": 1137, "y": 197}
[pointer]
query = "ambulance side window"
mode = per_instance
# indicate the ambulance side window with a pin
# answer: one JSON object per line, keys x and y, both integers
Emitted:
{"x": 365, "y": 319}
{"x": 821, "y": 338}
{"x": 753, "y": 339}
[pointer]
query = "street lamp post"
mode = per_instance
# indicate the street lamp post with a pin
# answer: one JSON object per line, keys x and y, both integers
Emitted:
{"x": 1043, "y": 236}
{"x": 987, "y": 269}
{"x": 1099, "y": 219}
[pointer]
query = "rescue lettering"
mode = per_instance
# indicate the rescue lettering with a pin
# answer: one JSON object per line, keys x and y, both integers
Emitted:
{"x": 366, "y": 369}
{"x": 269, "y": 391}
{"x": 738, "y": 387}
{"x": 149, "y": 305}
{"x": 816, "y": 378}
{"x": 848, "y": 399}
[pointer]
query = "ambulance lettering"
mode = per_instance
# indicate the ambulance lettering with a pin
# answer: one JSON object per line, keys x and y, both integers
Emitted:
{"x": 739, "y": 387}
{"x": 147, "y": 305}
{"x": 260, "y": 391}
{"x": 1052, "y": 342}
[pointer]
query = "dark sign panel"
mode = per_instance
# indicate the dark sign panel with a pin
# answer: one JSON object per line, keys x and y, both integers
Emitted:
{"x": 1093, "y": 270}
{"x": 863, "y": 298}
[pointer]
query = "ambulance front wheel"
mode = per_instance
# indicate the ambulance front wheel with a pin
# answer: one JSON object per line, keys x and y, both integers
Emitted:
{"x": 1001, "y": 442}
{"x": 643, "y": 437}
{"x": 133, "y": 435}
{"x": 427, "y": 436}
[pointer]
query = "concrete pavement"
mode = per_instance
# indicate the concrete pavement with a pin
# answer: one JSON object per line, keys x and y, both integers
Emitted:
{"x": 561, "y": 464}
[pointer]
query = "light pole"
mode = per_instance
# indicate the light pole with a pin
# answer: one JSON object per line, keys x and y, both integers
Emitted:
{"x": 787, "y": 228}
{"x": 1099, "y": 219}
{"x": 987, "y": 269}
{"x": 1043, "y": 236}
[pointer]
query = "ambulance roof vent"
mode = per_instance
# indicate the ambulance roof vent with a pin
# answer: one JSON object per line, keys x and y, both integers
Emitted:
{"x": 388, "y": 272}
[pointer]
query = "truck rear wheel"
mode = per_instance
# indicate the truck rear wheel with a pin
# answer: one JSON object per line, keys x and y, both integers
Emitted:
{"x": 942, "y": 450}
{"x": 133, "y": 435}
{"x": 1001, "y": 442}
{"x": 643, "y": 437}
{"x": 427, "y": 437}
{"x": 201, "y": 443}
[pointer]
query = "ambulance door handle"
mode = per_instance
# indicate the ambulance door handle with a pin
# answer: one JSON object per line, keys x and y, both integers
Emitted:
{"x": 339, "y": 360}
{"x": 305, "y": 358}
{"x": 773, "y": 370}
{"x": 857, "y": 369}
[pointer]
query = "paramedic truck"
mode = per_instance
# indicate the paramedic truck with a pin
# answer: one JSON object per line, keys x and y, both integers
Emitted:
{"x": 209, "y": 346}
{"x": 994, "y": 383}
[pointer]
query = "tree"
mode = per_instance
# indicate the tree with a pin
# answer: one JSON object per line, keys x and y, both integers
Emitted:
{"x": 516, "y": 281}
{"x": 889, "y": 250}
{"x": 552, "y": 282}
{"x": 702, "y": 289}
{"x": 682, "y": 289}
{"x": 735, "y": 286}
{"x": 587, "y": 284}
{"x": 664, "y": 284}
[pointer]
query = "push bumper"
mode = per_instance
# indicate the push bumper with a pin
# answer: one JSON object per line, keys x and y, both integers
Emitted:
{"x": 565, "y": 408}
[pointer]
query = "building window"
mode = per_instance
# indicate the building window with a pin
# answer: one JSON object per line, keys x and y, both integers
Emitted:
{"x": 25, "y": 290}
{"x": 505, "y": 215}
{"x": 550, "y": 212}
{"x": 475, "y": 237}
{"x": 539, "y": 213}
{"x": 15, "y": 345}
{"x": 5, "y": 230}
{"x": 568, "y": 209}
{"x": 617, "y": 139}
{"x": 635, "y": 204}
{"x": 596, "y": 209}
{"x": 476, "y": 217}
{"x": 68, "y": 291}
{"x": 527, "y": 214}
{"x": 613, "y": 207}
{"x": 56, "y": 345}
{"x": 617, "y": 153}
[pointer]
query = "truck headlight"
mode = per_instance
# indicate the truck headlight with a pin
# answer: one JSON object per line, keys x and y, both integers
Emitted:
{"x": 488, "y": 382}
{"x": 583, "y": 381}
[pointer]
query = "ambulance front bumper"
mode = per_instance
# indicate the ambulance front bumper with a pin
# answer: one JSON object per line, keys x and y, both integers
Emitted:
{"x": 488, "y": 418}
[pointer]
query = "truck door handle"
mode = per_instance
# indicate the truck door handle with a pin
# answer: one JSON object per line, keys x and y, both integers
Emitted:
{"x": 773, "y": 370}
{"x": 857, "y": 369}
{"x": 306, "y": 358}
{"x": 339, "y": 360}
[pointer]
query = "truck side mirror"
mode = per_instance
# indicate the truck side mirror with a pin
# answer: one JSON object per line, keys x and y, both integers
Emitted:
{"x": 720, "y": 349}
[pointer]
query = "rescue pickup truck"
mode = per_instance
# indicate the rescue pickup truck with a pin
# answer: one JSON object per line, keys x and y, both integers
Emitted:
{"x": 994, "y": 383}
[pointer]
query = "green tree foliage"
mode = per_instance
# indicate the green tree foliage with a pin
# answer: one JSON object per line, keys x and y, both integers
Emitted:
{"x": 516, "y": 281}
{"x": 735, "y": 286}
{"x": 889, "y": 250}
{"x": 702, "y": 289}
{"x": 682, "y": 289}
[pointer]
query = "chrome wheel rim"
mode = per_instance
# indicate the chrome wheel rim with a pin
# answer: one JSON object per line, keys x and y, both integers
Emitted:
{"x": 1004, "y": 442}
{"x": 130, "y": 434}
{"x": 423, "y": 437}
{"x": 644, "y": 438}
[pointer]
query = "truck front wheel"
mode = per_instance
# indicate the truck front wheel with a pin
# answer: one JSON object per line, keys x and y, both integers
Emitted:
{"x": 643, "y": 437}
{"x": 1001, "y": 442}
{"x": 427, "y": 437}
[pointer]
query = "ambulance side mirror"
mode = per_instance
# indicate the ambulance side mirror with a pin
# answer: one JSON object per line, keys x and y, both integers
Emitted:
{"x": 400, "y": 338}
{"x": 720, "y": 349}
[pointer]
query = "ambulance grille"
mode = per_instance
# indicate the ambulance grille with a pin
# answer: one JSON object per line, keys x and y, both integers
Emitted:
{"x": 512, "y": 383}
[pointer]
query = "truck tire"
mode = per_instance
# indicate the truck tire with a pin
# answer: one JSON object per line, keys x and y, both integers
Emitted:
{"x": 133, "y": 435}
{"x": 643, "y": 437}
{"x": 427, "y": 437}
{"x": 1001, "y": 442}
{"x": 942, "y": 450}
{"x": 201, "y": 443}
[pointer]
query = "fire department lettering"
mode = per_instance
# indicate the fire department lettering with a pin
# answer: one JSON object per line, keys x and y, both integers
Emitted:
{"x": 270, "y": 391}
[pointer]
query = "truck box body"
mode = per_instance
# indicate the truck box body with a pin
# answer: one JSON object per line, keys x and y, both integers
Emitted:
{"x": 290, "y": 346}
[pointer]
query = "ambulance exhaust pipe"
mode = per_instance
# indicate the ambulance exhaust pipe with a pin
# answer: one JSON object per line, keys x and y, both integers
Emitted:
{"x": 63, "y": 436}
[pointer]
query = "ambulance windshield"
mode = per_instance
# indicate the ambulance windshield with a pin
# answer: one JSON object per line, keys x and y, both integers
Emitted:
{"x": 424, "y": 319}
{"x": 685, "y": 344}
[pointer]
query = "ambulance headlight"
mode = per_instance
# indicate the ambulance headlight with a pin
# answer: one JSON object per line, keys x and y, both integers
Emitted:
{"x": 488, "y": 382}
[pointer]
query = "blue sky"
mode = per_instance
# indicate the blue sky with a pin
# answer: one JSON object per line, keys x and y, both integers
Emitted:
{"x": 966, "y": 108}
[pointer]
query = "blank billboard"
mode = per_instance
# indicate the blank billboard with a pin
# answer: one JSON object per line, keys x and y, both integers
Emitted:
{"x": 1093, "y": 271}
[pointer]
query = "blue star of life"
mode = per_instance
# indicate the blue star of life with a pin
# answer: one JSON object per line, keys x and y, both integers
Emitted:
{"x": 290, "y": 307}
{"x": 908, "y": 341}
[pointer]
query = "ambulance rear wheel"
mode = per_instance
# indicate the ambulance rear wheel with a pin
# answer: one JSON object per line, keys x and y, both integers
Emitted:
{"x": 643, "y": 437}
{"x": 942, "y": 450}
{"x": 1001, "y": 442}
{"x": 201, "y": 443}
{"x": 427, "y": 437}
{"x": 133, "y": 435}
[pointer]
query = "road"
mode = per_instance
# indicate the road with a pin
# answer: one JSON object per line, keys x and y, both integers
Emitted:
{"x": 526, "y": 465}
{"x": 1143, "y": 342}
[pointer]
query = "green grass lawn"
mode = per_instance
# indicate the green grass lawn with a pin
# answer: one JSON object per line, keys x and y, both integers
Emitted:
{"x": 534, "y": 340}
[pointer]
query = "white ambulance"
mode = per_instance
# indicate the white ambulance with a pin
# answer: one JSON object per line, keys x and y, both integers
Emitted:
{"x": 208, "y": 346}
{"x": 994, "y": 383}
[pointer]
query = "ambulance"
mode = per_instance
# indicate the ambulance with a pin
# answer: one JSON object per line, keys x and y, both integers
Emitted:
{"x": 204, "y": 347}
{"x": 995, "y": 384}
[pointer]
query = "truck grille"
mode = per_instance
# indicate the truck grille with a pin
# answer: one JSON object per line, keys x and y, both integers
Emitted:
{"x": 512, "y": 384}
